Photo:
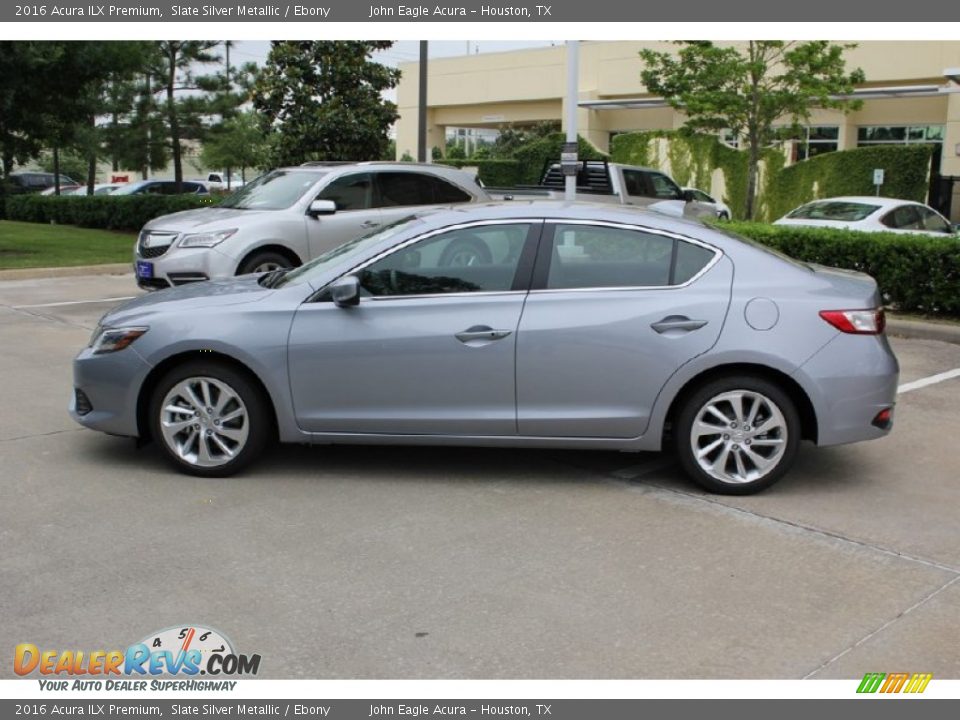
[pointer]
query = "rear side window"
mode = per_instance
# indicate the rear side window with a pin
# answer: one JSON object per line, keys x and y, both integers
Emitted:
{"x": 594, "y": 256}
{"x": 406, "y": 188}
{"x": 444, "y": 192}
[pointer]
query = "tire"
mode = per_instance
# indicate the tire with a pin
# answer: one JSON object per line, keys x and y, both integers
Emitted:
{"x": 464, "y": 252}
{"x": 264, "y": 262}
{"x": 222, "y": 438}
{"x": 742, "y": 460}
{"x": 725, "y": 216}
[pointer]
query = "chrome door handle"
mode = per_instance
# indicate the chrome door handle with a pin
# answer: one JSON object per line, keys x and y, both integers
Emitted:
{"x": 369, "y": 224}
{"x": 482, "y": 332}
{"x": 678, "y": 322}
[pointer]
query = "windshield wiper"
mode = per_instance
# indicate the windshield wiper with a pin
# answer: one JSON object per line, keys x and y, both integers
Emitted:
{"x": 270, "y": 279}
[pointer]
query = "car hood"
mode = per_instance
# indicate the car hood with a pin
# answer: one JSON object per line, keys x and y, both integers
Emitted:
{"x": 188, "y": 298}
{"x": 204, "y": 219}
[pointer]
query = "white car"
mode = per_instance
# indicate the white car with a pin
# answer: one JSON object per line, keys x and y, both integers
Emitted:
{"x": 720, "y": 208}
{"x": 870, "y": 214}
{"x": 98, "y": 189}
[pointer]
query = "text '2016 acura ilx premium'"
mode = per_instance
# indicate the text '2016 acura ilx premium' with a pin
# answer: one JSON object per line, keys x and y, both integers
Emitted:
{"x": 534, "y": 325}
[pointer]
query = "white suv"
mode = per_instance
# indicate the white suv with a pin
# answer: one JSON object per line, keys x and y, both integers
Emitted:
{"x": 289, "y": 216}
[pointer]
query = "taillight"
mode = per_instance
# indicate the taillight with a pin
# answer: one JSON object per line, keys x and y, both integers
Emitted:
{"x": 856, "y": 322}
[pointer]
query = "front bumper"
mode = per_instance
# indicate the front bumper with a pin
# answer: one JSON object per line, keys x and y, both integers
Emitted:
{"x": 179, "y": 266}
{"x": 850, "y": 381}
{"x": 110, "y": 386}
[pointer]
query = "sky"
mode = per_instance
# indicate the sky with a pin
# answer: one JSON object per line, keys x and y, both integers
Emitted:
{"x": 402, "y": 51}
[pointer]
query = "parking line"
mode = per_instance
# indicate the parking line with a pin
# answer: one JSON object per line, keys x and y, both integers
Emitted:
{"x": 74, "y": 302}
{"x": 931, "y": 380}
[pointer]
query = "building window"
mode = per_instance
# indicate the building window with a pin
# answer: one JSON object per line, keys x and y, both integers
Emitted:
{"x": 729, "y": 138}
{"x": 899, "y": 134}
{"x": 816, "y": 140}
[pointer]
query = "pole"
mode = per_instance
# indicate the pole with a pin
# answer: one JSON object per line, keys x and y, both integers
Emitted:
{"x": 573, "y": 96}
{"x": 227, "y": 45}
{"x": 422, "y": 118}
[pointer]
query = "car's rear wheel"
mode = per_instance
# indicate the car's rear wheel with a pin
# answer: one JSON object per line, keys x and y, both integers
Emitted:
{"x": 737, "y": 435}
{"x": 210, "y": 419}
{"x": 264, "y": 262}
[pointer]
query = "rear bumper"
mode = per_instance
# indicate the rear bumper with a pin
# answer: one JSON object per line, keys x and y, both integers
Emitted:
{"x": 849, "y": 381}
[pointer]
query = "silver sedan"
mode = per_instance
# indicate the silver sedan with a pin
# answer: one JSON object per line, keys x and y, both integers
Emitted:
{"x": 514, "y": 324}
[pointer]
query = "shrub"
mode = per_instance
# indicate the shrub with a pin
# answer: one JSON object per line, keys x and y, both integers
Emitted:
{"x": 915, "y": 273}
{"x": 130, "y": 212}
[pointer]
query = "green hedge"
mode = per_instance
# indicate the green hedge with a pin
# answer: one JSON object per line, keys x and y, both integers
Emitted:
{"x": 850, "y": 172}
{"x": 532, "y": 157}
{"x": 693, "y": 158}
{"x": 915, "y": 273}
{"x": 493, "y": 173}
{"x": 109, "y": 213}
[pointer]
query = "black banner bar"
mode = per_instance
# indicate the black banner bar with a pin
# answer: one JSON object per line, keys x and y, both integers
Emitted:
{"x": 454, "y": 11}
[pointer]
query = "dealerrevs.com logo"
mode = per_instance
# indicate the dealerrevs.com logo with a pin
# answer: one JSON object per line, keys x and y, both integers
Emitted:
{"x": 185, "y": 651}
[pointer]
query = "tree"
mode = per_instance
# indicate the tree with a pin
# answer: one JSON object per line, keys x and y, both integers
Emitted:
{"x": 749, "y": 90}
{"x": 326, "y": 99}
{"x": 238, "y": 143}
{"x": 186, "y": 100}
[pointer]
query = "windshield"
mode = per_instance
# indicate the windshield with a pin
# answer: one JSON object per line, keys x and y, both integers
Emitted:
{"x": 346, "y": 253}
{"x": 834, "y": 210}
{"x": 276, "y": 190}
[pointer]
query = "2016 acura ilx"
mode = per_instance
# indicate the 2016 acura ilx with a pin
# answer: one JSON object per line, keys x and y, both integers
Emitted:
{"x": 514, "y": 324}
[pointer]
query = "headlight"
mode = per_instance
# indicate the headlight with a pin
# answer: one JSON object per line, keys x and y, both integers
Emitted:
{"x": 206, "y": 239}
{"x": 108, "y": 340}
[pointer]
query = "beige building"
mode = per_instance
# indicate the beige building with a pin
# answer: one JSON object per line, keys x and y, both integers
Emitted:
{"x": 907, "y": 98}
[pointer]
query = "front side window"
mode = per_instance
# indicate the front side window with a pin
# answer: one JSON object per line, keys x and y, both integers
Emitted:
{"x": 595, "y": 256}
{"x": 474, "y": 259}
{"x": 350, "y": 192}
{"x": 664, "y": 187}
{"x": 932, "y": 221}
{"x": 904, "y": 217}
{"x": 635, "y": 183}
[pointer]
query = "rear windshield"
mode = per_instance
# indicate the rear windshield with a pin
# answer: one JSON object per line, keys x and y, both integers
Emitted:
{"x": 834, "y": 210}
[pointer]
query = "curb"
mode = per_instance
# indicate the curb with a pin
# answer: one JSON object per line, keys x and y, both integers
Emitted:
{"x": 919, "y": 330}
{"x": 59, "y": 272}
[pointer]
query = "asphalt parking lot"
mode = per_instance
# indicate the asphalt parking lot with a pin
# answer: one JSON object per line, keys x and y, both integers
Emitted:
{"x": 436, "y": 563}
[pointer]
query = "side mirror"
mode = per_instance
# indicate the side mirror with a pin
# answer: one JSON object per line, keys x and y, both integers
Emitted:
{"x": 345, "y": 291}
{"x": 322, "y": 207}
{"x": 688, "y": 196}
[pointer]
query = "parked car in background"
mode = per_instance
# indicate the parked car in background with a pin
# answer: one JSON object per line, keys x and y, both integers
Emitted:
{"x": 586, "y": 326}
{"x": 218, "y": 181}
{"x": 291, "y": 215}
{"x": 721, "y": 209}
{"x": 162, "y": 187}
{"x": 870, "y": 214}
{"x": 65, "y": 188}
{"x": 34, "y": 182}
{"x": 98, "y": 189}
{"x": 614, "y": 183}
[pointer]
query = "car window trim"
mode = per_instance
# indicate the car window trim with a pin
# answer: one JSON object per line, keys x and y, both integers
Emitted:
{"x": 545, "y": 257}
{"x": 525, "y": 264}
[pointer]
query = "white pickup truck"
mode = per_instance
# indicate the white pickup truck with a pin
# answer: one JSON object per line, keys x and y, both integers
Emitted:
{"x": 602, "y": 181}
{"x": 217, "y": 180}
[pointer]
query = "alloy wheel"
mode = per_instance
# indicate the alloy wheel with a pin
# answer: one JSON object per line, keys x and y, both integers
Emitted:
{"x": 204, "y": 421}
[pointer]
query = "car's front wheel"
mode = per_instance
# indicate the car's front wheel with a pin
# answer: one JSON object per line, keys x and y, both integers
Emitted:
{"x": 264, "y": 262}
{"x": 210, "y": 419}
{"x": 737, "y": 435}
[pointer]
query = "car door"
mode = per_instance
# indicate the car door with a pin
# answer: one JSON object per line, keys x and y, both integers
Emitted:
{"x": 430, "y": 348}
{"x": 355, "y": 215}
{"x": 613, "y": 311}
